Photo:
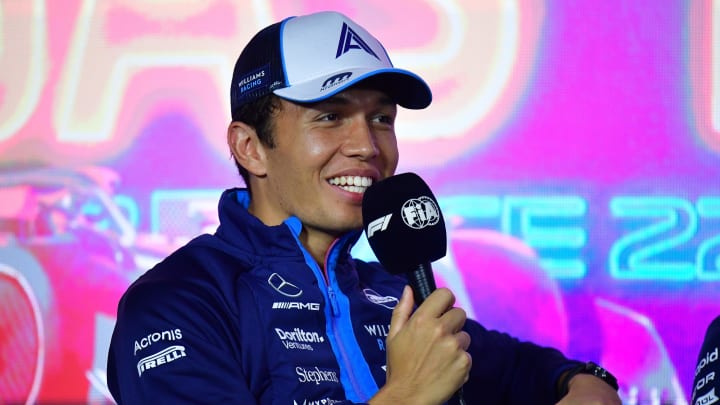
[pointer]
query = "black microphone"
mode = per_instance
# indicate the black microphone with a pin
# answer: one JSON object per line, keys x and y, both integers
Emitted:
{"x": 707, "y": 371}
{"x": 406, "y": 231}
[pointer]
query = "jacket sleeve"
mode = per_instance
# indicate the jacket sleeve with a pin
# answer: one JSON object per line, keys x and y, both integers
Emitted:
{"x": 509, "y": 371}
{"x": 172, "y": 343}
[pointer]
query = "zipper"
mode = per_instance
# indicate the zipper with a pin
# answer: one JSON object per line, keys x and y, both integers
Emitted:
{"x": 339, "y": 340}
{"x": 334, "y": 307}
{"x": 336, "y": 328}
{"x": 340, "y": 343}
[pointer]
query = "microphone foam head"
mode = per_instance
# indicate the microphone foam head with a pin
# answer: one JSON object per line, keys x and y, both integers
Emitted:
{"x": 403, "y": 223}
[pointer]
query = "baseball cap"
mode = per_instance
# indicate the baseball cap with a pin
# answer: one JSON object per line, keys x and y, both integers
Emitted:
{"x": 312, "y": 57}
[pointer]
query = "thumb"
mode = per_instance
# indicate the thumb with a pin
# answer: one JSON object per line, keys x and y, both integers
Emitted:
{"x": 402, "y": 312}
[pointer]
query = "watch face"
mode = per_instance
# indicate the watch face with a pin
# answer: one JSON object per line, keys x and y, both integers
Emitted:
{"x": 597, "y": 371}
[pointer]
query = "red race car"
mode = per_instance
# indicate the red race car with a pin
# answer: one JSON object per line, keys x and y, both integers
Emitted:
{"x": 67, "y": 253}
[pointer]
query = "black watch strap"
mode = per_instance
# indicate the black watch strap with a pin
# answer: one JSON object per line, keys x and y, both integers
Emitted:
{"x": 587, "y": 368}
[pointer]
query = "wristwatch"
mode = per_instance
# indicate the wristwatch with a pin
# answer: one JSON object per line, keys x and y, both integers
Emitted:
{"x": 587, "y": 368}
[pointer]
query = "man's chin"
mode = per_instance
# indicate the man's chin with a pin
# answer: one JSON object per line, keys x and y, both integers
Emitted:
{"x": 344, "y": 227}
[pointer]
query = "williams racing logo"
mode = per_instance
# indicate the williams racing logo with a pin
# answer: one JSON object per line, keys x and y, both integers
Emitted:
{"x": 253, "y": 80}
{"x": 161, "y": 358}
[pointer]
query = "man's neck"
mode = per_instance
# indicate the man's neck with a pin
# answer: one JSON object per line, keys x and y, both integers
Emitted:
{"x": 317, "y": 243}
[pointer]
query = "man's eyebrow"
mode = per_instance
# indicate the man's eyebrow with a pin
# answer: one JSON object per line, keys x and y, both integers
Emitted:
{"x": 341, "y": 100}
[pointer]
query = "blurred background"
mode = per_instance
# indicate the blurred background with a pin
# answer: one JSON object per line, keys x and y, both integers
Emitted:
{"x": 574, "y": 147}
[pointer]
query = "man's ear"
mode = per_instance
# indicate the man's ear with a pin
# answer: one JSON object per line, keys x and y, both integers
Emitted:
{"x": 246, "y": 148}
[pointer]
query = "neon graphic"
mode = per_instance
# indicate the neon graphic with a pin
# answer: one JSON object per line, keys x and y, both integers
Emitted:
{"x": 637, "y": 254}
{"x": 708, "y": 253}
{"x": 23, "y": 62}
{"x": 704, "y": 66}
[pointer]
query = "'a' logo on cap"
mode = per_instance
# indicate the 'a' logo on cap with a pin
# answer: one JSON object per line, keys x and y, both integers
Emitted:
{"x": 349, "y": 39}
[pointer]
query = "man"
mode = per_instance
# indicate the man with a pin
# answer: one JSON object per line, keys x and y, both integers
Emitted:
{"x": 272, "y": 308}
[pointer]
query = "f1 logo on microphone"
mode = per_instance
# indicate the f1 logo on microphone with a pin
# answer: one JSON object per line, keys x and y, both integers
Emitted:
{"x": 378, "y": 225}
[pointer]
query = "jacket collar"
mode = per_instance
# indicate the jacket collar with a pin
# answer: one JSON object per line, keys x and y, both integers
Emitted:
{"x": 244, "y": 231}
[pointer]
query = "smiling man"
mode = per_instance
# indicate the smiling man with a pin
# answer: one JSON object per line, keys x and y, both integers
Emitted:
{"x": 272, "y": 308}
{"x": 324, "y": 155}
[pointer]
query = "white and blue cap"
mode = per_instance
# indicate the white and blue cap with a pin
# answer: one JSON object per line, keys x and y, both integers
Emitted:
{"x": 312, "y": 57}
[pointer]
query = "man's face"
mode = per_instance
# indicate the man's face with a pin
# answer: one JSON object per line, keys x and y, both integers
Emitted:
{"x": 325, "y": 156}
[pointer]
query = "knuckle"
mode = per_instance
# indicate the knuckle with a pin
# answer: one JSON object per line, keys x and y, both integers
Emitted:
{"x": 438, "y": 331}
{"x": 447, "y": 294}
{"x": 459, "y": 313}
{"x": 466, "y": 361}
{"x": 465, "y": 340}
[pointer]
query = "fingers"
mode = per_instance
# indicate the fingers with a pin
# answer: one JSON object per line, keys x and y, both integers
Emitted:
{"x": 463, "y": 339}
{"x": 435, "y": 305}
{"x": 427, "y": 359}
{"x": 453, "y": 320}
{"x": 448, "y": 326}
{"x": 438, "y": 306}
{"x": 466, "y": 363}
{"x": 402, "y": 312}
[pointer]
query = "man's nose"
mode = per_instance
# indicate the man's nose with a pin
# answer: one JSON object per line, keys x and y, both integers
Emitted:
{"x": 361, "y": 141}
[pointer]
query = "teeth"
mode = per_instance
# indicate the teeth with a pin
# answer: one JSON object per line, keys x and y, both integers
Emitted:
{"x": 354, "y": 184}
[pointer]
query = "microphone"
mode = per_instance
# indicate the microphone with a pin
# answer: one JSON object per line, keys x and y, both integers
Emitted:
{"x": 707, "y": 371}
{"x": 406, "y": 231}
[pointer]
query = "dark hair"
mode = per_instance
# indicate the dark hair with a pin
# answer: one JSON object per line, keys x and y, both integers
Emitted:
{"x": 258, "y": 114}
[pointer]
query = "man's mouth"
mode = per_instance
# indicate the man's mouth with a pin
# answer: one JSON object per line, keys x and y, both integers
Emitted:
{"x": 353, "y": 184}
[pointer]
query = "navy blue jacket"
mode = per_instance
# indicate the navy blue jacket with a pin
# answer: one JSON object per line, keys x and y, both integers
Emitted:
{"x": 246, "y": 316}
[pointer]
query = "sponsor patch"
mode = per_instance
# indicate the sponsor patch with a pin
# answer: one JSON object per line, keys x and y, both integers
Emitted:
{"x": 160, "y": 358}
{"x": 707, "y": 399}
{"x": 309, "y": 306}
{"x": 284, "y": 287}
{"x": 324, "y": 401}
{"x": 299, "y": 339}
{"x": 316, "y": 375}
{"x": 147, "y": 341}
{"x": 336, "y": 80}
{"x": 377, "y": 330}
{"x": 387, "y": 301}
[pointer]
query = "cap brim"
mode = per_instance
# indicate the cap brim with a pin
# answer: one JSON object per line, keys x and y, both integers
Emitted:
{"x": 406, "y": 88}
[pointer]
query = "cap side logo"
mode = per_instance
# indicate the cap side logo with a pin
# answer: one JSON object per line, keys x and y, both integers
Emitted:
{"x": 349, "y": 39}
{"x": 255, "y": 80}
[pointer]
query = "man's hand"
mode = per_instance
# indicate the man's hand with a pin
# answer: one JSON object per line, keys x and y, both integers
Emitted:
{"x": 427, "y": 359}
{"x": 587, "y": 389}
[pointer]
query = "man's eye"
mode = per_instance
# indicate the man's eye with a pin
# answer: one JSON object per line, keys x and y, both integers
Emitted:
{"x": 384, "y": 119}
{"x": 329, "y": 117}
